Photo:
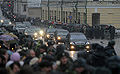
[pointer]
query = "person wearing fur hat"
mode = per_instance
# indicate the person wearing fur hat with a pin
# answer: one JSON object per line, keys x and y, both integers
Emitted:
{"x": 65, "y": 63}
{"x": 109, "y": 49}
{"x": 15, "y": 57}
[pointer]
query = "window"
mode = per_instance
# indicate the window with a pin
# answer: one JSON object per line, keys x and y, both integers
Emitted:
{"x": 24, "y": 8}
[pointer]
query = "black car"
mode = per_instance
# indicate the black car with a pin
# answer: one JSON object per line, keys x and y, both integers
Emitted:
{"x": 50, "y": 34}
{"x": 61, "y": 36}
{"x": 78, "y": 42}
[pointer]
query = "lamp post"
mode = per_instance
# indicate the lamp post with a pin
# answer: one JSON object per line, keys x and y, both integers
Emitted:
{"x": 86, "y": 12}
{"x": 76, "y": 8}
{"x": 61, "y": 10}
{"x": 48, "y": 10}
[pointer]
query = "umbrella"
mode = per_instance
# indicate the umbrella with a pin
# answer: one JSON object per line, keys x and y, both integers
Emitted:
{"x": 6, "y": 38}
{"x": 12, "y": 35}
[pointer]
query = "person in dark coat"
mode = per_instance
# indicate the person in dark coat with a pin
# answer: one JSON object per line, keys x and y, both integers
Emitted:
{"x": 113, "y": 63}
{"x": 109, "y": 49}
{"x": 65, "y": 63}
{"x": 112, "y": 32}
{"x": 98, "y": 58}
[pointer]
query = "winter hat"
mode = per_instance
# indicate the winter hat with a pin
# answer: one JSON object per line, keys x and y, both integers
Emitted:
{"x": 80, "y": 62}
{"x": 15, "y": 57}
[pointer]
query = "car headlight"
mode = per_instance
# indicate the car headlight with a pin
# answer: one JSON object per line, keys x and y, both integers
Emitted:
{"x": 72, "y": 47}
{"x": 1, "y": 21}
{"x": 71, "y": 43}
{"x": 10, "y": 23}
{"x": 41, "y": 32}
{"x": 87, "y": 47}
{"x": 35, "y": 34}
{"x": 26, "y": 34}
{"x": 48, "y": 35}
{"x": 59, "y": 38}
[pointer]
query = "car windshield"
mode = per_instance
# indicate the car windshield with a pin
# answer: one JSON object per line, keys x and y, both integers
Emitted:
{"x": 78, "y": 37}
{"x": 20, "y": 26}
{"x": 50, "y": 31}
{"x": 63, "y": 32}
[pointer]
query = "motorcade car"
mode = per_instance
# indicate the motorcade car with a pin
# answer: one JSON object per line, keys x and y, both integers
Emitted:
{"x": 50, "y": 34}
{"x": 27, "y": 24}
{"x": 61, "y": 36}
{"x": 36, "y": 33}
{"x": 7, "y": 22}
{"x": 78, "y": 42}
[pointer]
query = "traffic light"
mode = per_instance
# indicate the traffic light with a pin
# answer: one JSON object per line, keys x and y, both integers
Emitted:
{"x": 11, "y": 4}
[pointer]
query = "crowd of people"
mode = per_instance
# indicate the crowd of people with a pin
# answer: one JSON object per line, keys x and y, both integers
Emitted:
{"x": 27, "y": 56}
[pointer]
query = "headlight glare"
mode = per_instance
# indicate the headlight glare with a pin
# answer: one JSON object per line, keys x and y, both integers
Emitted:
{"x": 41, "y": 32}
{"x": 48, "y": 35}
{"x": 10, "y": 23}
{"x": 59, "y": 38}
{"x": 87, "y": 47}
{"x": 1, "y": 21}
{"x": 72, "y": 47}
{"x": 35, "y": 34}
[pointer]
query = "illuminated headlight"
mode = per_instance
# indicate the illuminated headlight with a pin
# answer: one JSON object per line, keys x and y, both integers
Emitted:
{"x": 10, "y": 23}
{"x": 12, "y": 49}
{"x": 48, "y": 35}
{"x": 59, "y": 38}
{"x": 72, "y": 47}
{"x": 87, "y": 47}
{"x": 71, "y": 43}
{"x": 1, "y": 21}
{"x": 26, "y": 34}
{"x": 0, "y": 46}
{"x": 41, "y": 32}
{"x": 35, "y": 34}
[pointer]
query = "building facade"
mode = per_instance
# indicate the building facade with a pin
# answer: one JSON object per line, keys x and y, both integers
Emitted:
{"x": 92, "y": 12}
{"x": 97, "y": 11}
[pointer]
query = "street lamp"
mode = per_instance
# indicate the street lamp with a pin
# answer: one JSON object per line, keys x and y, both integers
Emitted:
{"x": 76, "y": 7}
{"x": 86, "y": 12}
{"x": 48, "y": 10}
{"x": 61, "y": 10}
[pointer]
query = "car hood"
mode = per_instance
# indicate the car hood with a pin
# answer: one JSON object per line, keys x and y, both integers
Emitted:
{"x": 81, "y": 42}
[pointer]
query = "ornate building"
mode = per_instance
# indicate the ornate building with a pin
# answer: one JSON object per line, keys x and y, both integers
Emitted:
{"x": 92, "y": 12}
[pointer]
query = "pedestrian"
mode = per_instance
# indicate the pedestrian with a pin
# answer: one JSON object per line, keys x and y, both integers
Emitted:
{"x": 102, "y": 70}
{"x": 109, "y": 49}
{"x": 65, "y": 63}
{"x": 98, "y": 58}
{"x": 51, "y": 49}
{"x": 15, "y": 57}
{"x": 113, "y": 63}
{"x": 112, "y": 32}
